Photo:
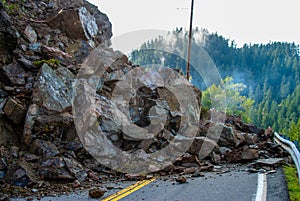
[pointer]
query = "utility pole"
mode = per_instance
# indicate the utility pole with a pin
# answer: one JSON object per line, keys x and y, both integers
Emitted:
{"x": 190, "y": 43}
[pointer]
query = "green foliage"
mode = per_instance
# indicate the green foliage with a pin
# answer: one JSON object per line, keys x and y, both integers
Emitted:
{"x": 236, "y": 104}
{"x": 51, "y": 62}
{"x": 292, "y": 182}
{"x": 11, "y": 7}
{"x": 270, "y": 71}
{"x": 294, "y": 131}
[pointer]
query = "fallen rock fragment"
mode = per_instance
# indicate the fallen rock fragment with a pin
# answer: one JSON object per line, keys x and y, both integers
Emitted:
{"x": 97, "y": 192}
{"x": 242, "y": 154}
{"x": 14, "y": 110}
{"x": 21, "y": 174}
{"x": 181, "y": 180}
{"x": 30, "y": 34}
{"x": 55, "y": 169}
{"x": 271, "y": 162}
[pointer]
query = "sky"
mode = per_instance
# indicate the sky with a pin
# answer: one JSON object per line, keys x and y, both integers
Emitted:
{"x": 244, "y": 21}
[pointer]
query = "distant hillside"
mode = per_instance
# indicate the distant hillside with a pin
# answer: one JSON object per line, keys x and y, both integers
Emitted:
{"x": 270, "y": 71}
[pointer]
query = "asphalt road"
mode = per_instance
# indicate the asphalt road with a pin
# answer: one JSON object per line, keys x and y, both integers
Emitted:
{"x": 236, "y": 185}
{"x": 228, "y": 186}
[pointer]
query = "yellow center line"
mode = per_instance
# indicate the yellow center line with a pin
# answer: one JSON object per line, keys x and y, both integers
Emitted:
{"x": 127, "y": 191}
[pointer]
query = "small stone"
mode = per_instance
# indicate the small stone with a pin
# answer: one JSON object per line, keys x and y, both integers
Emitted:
{"x": 30, "y": 34}
{"x": 3, "y": 164}
{"x": 34, "y": 190}
{"x": 14, "y": 151}
{"x": 181, "y": 180}
{"x": 197, "y": 174}
{"x": 76, "y": 184}
{"x": 96, "y": 192}
{"x": 92, "y": 176}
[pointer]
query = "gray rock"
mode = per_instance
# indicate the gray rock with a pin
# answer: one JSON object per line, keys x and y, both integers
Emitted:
{"x": 8, "y": 35}
{"x": 3, "y": 99}
{"x": 30, "y": 34}
{"x": 21, "y": 174}
{"x": 13, "y": 74}
{"x": 202, "y": 147}
{"x": 75, "y": 169}
{"x": 241, "y": 154}
{"x": 54, "y": 168}
{"x": 29, "y": 122}
{"x": 43, "y": 148}
{"x": 76, "y": 23}
{"x": 54, "y": 88}
{"x": 14, "y": 110}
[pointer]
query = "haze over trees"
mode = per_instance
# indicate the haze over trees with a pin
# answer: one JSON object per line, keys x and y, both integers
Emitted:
{"x": 268, "y": 74}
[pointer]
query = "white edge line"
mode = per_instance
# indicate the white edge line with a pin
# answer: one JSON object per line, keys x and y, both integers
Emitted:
{"x": 261, "y": 194}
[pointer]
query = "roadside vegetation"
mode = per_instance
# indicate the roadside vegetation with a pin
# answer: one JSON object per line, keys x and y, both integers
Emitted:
{"x": 292, "y": 182}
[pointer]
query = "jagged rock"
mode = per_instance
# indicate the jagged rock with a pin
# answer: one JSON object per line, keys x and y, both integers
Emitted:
{"x": 188, "y": 160}
{"x": 76, "y": 23}
{"x": 54, "y": 88}
{"x": 104, "y": 25}
{"x": 21, "y": 174}
{"x": 8, "y": 36}
{"x": 30, "y": 34}
{"x": 27, "y": 64}
{"x": 13, "y": 74}
{"x": 55, "y": 126}
{"x": 247, "y": 138}
{"x": 73, "y": 146}
{"x": 14, "y": 110}
{"x": 79, "y": 50}
{"x": 249, "y": 128}
{"x": 29, "y": 122}
{"x": 202, "y": 147}
{"x": 3, "y": 98}
{"x": 227, "y": 138}
{"x": 54, "y": 168}
{"x": 242, "y": 154}
{"x": 75, "y": 169}
{"x": 35, "y": 47}
{"x": 273, "y": 162}
{"x": 43, "y": 148}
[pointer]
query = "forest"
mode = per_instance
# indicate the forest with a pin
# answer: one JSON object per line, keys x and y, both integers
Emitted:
{"x": 267, "y": 74}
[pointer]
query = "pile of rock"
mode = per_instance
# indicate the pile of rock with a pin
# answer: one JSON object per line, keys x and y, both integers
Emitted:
{"x": 42, "y": 48}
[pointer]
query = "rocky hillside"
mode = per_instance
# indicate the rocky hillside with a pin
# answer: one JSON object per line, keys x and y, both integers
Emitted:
{"x": 43, "y": 45}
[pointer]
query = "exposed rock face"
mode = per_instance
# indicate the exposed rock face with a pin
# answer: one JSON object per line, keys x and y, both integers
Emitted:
{"x": 8, "y": 36}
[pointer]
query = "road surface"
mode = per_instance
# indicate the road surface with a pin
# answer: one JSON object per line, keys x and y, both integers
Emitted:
{"x": 236, "y": 185}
